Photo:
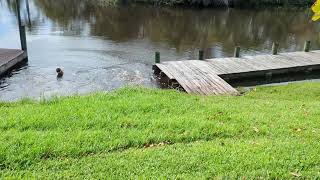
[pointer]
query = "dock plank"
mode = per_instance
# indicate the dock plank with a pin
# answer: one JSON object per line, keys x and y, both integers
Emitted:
{"x": 9, "y": 58}
{"x": 207, "y": 77}
{"x": 194, "y": 78}
{"x": 216, "y": 84}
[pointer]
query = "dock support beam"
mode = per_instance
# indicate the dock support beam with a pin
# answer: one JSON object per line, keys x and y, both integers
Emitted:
{"x": 237, "y": 51}
{"x": 269, "y": 76}
{"x": 18, "y": 12}
{"x": 23, "y": 38}
{"x": 307, "y": 46}
{"x": 201, "y": 55}
{"x": 275, "y": 47}
{"x": 157, "y": 57}
{"x": 28, "y": 12}
{"x": 22, "y": 29}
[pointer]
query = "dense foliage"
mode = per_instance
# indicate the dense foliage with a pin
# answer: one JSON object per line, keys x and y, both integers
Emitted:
{"x": 230, "y": 3}
{"x": 316, "y": 9}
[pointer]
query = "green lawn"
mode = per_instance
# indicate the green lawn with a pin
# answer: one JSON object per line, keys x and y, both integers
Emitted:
{"x": 270, "y": 132}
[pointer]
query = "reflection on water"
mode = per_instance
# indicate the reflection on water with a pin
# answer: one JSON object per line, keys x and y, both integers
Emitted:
{"x": 103, "y": 48}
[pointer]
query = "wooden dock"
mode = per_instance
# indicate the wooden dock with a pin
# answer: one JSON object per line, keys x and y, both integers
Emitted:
{"x": 9, "y": 58}
{"x": 210, "y": 76}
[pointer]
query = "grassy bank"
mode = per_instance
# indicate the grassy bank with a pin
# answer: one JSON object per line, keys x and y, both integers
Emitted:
{"x": 269, "y": 132}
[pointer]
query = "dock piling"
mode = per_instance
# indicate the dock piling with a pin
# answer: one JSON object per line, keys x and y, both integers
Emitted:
{"x": 23, "y": 38}
{"x": 157, "y": 57}
{"x": 22, "y": 29}
{"x": 201, "y": 55}
{"x": 307, "y": 45}
{"x": 28, "y": 12}
{"x": 18, "y": 12}
{"x": 237, "y": 51}
{"x": 275, "y": 47}
{"x": 268, "y": 76}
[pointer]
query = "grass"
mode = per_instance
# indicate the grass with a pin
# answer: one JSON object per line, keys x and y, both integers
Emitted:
{"x": 270, "y": 132}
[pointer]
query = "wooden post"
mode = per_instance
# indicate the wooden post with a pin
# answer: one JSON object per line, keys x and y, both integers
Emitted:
{"x": 275, "y": 47}
{"x": 269, "y": 76}
{"x": 22, "y": 29}
{"x": 157, "y": 57}
{"x": 309, "y": 71}
{"x": 28, "y": 12}
{"x": 18, "y": 12}
{"x": 307, "y": 45}
{"x": 201, "y": 57}
{"x": 237, "y": 51}
{"x": 23, "y": 38}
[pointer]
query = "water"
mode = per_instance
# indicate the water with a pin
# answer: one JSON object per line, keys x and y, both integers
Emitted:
{"x": 103, "y": 48}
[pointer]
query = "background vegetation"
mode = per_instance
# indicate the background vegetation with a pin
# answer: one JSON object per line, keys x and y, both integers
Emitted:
{"x": 221, "y": 3}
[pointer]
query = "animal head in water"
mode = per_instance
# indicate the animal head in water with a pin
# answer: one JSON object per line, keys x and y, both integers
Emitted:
{"x": 60, "y": 72}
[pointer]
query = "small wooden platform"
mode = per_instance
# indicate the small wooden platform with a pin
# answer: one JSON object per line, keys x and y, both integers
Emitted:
{"x": 9, "y": 58}
{"x": 196, "y": 78}
{"x": 208, "y": 77}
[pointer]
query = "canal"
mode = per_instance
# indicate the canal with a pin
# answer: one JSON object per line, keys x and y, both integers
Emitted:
{"x": 103, "y": 48}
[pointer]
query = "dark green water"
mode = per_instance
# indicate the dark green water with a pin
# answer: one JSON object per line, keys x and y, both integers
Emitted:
{"x": 104, "y": 48}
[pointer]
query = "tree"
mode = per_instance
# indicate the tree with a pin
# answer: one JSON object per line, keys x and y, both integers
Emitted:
{"x": 316, "y": 9}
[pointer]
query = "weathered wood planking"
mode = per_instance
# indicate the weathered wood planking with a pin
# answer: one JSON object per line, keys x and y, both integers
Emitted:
{"x": 194, "y": 78}
{"x": 9, "y": 58}
{"x": 207, "y": 77}
{"x": 261, "y": 63}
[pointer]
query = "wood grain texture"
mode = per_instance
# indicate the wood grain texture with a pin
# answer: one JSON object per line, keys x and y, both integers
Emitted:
{"x": 204, "y": 76}
{"x": 9, "y": 58}
{"x": 196, "y": 78}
